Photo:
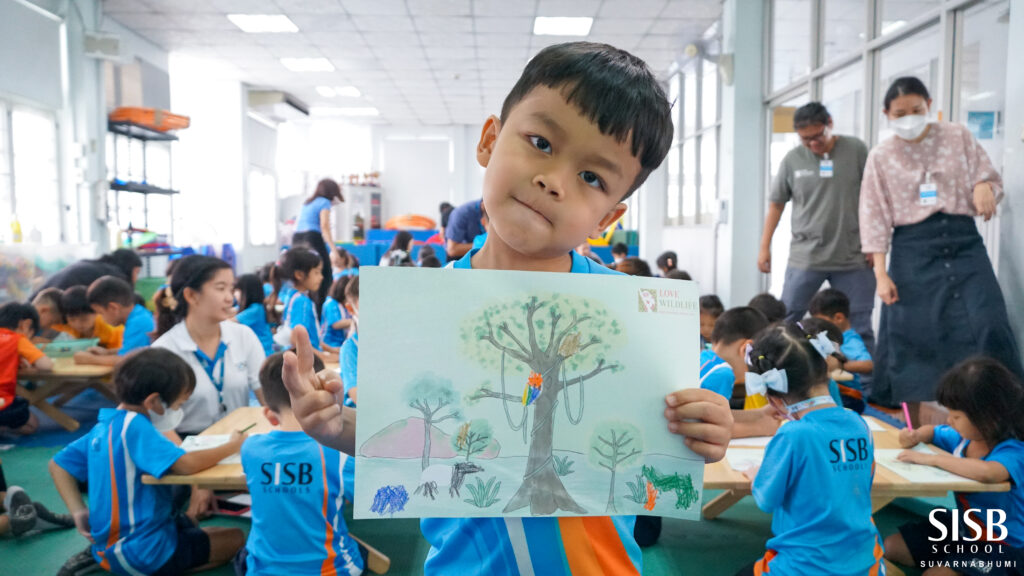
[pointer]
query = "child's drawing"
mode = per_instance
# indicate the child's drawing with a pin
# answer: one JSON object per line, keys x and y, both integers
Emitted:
{"x": 389, "y": 499}
{"x": 521, "y": 375}
{"x": 682, "y": 486}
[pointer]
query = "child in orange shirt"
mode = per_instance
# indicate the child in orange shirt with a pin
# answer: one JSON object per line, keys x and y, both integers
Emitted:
{"x": 83, "y": 322}
{"x": 18, "y": 322}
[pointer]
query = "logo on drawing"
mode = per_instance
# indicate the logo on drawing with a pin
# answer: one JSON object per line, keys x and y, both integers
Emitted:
{"x": 648, "y": 300}
{"x": 666, "y": 301}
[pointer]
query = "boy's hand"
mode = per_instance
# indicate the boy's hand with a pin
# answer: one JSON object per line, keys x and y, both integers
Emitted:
{"x": 81, "y": 518}
{"x": 908, "y": 438}
{"x": 751, "y": 472}
{"x": 237, "y": 437}
{"x": 314, "y": 396}
{"x": 703, "y": 417}
{"x": 915, "y": 457}
{"x": 201, "y": 505}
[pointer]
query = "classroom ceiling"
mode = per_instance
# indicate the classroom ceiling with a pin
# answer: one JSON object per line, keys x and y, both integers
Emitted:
{"x": 416, "y": 61}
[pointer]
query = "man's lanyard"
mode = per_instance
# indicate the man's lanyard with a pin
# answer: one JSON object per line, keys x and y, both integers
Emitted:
{"x": 209, "y": 365}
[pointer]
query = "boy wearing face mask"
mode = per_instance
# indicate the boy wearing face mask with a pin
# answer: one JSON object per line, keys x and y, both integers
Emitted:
{"x": 126, "y": 443}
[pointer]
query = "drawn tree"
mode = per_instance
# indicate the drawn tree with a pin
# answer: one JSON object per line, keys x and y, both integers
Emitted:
{"x": 472, "y": 438}
{"x": 613, "y": 444}
{"x": 560, "y": 342}
{"x": 432, "y": 396}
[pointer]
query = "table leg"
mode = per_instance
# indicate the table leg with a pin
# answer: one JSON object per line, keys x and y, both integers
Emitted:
{"x": 74, "y": 389}
{"x": 376, "y": 561}
{"x": 721, "y": 503}
{"x": 38, "y": 398}
{"x": 105, "y": 389}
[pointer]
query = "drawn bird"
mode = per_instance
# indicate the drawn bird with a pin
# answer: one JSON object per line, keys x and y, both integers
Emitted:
{"x": 463, "y": 432}
{"x": 532, "y": 390}
{"x": 570, "y": 345}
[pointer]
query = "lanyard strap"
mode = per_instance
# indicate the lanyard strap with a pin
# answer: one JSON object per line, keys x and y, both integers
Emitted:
{"x": 810, "y": 403}
{"x": 210, "y": 364}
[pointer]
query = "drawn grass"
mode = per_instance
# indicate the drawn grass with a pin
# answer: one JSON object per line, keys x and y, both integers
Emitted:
{"x": 484, "y": 495}
{"x": 563, "y": 466}
{"x": 637, "y": 490}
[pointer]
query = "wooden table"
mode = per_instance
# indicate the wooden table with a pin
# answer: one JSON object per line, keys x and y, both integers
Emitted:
{"x": 232, "y": 477}
{"x": 67, "y": 379}
{"x": 887, "y": 485}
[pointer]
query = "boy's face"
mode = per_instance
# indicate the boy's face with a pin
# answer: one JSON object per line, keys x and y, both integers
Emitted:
{"x": 734, "y": 355}
{"x": 839, "y": 319}
{"x": 84, "y": 324}
{"x": 25, "y": 328}
{"x": 707, "y": 325}
{"x": 113, "y": 313}
{"x": 552, "y": 178}
{"x": 47, "y": 315}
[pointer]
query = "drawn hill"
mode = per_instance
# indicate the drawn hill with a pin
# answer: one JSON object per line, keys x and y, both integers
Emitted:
{"x": 404, "y": 439}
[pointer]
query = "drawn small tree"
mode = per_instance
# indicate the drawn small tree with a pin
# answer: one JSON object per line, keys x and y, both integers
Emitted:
{"x": 614, "y": 444}
{"x": 432, "y": 396}
{"x": 565, "y": 348}
{"x": 472, "y": 438}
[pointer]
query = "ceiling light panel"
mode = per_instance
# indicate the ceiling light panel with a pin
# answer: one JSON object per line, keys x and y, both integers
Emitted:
{"x": 263, "y": 23}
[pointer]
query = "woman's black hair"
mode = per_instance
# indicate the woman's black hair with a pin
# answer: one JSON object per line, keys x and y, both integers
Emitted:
{"x": 152, "y": 370}
{"x": 251, "y": 291}
{"x": 401, "y": 241}
{"x": 989, "y": 394}
{"x": 787, "y": 347}
{"x": 191, "y": 272}
{"x": 338, "y": 289}
{"x": 125, "y": 260}
{"x": 903, "y": 86}
{"x": 326, "y": 188}
{"x": 667, "y": 261}
{"x": 298, "y": 260}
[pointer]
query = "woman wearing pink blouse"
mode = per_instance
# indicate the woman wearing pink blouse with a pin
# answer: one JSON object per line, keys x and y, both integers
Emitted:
{"x": 921, "y": 190}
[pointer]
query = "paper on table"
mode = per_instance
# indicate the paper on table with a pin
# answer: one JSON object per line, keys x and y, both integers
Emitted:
{"x": 742, "y": 459}
{"x": 916, "y": 472}
{"x": 206, "y": 441}
{"x": 873, "y": 425}
{"x": 752, "y": 441}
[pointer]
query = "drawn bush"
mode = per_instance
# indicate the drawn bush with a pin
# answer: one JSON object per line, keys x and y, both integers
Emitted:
{"x": 483, "y": 495}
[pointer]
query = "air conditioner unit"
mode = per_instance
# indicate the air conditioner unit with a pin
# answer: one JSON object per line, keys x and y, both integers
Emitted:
{"x": 102, "y": 46}
{"x": 277, "y": 106}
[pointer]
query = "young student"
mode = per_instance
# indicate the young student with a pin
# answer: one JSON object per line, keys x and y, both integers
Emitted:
{"x": 349, "y": 355}
{"x": 430, "y": 262}
{"x": 18, "y": 322}
{"x": 574, "y": 102}
{"x": 734, "y": 331}
{"x": 301, "y": 266}
{"x": 131, "y": 525}
{"x": 353, "y": 265}
{"x": 47, "y": 304}
{"x": 678, "y": 274}
{"x": 81, "y": 321}
{"x": 828, "y": 339}
{"x": 667, "y": 262}
{"x": 815, "y": 479}
{"x": 985, "y": 436}
{"x": 251, "y": 311}
{"x": 832, "y": 305}
{"x": 114, "y": 300}
{"x": 336, "y": 320}
{"x": 619, "y": 253}
{"x": 292, "y": 531}
{"x": 770, "y": 306}
{"x": 710, "y": 309}
{"x": 339, "y": 262}
{"x": 426, "y": 251}
{"x": 400, "y": 251}
{"x": 634, "y": 266}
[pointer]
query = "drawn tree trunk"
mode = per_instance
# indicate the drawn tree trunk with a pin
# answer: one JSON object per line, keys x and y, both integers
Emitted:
{"x": 612, "y": 445}
{"x": 431, "y": 395}
{"x": 542, "y": 489}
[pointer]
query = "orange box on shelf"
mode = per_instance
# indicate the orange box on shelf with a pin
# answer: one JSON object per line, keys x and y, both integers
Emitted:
{"x": 159, "y": 120}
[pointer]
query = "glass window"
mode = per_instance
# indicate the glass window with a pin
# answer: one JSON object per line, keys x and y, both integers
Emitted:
{"x": 690, "y": 102}
{"x": 35, "y": 175}
{"x": 846, "y": 26}
{"x": 791, "y": 41}
{"x": 783, "y": 139}
{"x": 982, "y": 83}
{"x": 843, "y": 95}
{"x": 708, "y": 172}
{"x": 915, "y": 56}
{"x": 709, "y": 95}
{"x": 262, "y": 215}
{"x": 5, "y": 176}
{"x": 690, "y": 180}
{"x": 896, "y": 13}
{"x": 673, "y": 98}
{"x": 672, "y": 206}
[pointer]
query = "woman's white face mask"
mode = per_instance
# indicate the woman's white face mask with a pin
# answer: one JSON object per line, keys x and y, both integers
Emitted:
{"x": 909, "y": 127}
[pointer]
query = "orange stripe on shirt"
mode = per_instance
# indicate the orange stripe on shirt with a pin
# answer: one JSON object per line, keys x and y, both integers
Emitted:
{"x": 327, "y": 568}
{"x": 578, "y": 549}
{"x": 762, "y": 565}
{"x": 607, "y": 546}
{"x": 115, "y": 508}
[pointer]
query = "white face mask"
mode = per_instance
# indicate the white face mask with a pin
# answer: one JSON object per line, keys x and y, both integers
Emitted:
{"x": 167, "y": 421}
{"x": 909, "y": 127}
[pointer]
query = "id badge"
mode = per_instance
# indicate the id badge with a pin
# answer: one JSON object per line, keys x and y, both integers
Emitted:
{"x": 928, "y": 194}
{"x": 825, "y": 169}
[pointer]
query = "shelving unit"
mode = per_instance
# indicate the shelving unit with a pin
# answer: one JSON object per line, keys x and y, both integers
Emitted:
{"x": 145, "y": 135}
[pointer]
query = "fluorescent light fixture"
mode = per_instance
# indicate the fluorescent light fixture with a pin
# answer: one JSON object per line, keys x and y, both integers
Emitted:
{"x": 892, "y": 26}
{"x": 348, "y": 91}
{"x": 308, "y": 64}
{"x": 326, "y": 91}
{"x": 356, "y": 111}
{"x": 263, "y": 23}
{"x": 561, "y": 26}
{"x": 981, "y": 96}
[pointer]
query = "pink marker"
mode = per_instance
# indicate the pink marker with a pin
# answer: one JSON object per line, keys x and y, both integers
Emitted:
{"x": 906, "y": 413}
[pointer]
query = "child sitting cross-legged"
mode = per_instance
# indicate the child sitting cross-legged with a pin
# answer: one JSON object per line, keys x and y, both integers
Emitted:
{"x": 131, "y": 525}
{"x": 290, "y": 476}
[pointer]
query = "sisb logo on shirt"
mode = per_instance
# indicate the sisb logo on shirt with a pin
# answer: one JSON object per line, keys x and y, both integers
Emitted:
{"x": 849, "y": 454}
{"x": 286, "y": 477}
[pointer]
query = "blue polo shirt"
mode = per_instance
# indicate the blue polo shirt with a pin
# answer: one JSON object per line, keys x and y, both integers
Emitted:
{"x": 302, "y": 312}
{"x": 349, "y": 359}
{"x": 298, "y": 490}
{"x": 464, "y": 223}
{"x": 815, "y": 481}
{"x": 137, "y": 329}
{"x": 855, "y": 350}
{"x": 1009, "y": 453}
{"x": 333, "y": 312}
{"x": 255, "y": 317}
{"x": 552, "y": 546}
{"x": 138, "y": 535}
{"x": 716, "y": 374}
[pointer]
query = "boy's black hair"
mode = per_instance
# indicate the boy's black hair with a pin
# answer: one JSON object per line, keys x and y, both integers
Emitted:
{"x": 770, "y": 306}
{"x": 829, "y": 302}
{"x": 51, "y": 296}
{"x": 711, "y": 304}
{"x": 192, "y": 272}
{"x": 13, "y": 313}
{"x": 787, "y": 347}
{"x": 620, "y": 248}
{"x": 75, "y": 302}
{"x": 338, "y": 289}
{"x": 903, "y": 86}
{"x": 107, "y": 289}
{"x": 430, "y": 262}
{"x": 667, "y": 260}
{"x": 274, "y": 392}
{"x": 296, "y": 260}
{"x": 352, "y": 289}
{"x": 152, "y": 370}
{"x": 635, "y": 267}
{"x": 989, "y": 394}
{"x": 426, "y": 251}
{"x": 740, "y": 323}
{"x": 251, "y": 290}
{"x": 612, "y": 88}
{"x": 678, "y": 274}
{"x": 811, "y": 114}
{"x": 126, "y": 260}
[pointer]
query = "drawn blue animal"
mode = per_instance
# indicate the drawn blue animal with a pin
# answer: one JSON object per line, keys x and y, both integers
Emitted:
{"x": 437, "y": 476}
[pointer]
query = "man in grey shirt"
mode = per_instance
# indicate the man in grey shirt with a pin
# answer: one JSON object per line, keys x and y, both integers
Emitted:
{"x": 822, "y": 179}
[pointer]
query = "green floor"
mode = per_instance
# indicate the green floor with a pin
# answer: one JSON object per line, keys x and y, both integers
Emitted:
{"x": 711, "y": 548}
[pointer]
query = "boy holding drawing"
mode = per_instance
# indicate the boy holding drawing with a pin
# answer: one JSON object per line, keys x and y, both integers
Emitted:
{"x": 581, "y": 130}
